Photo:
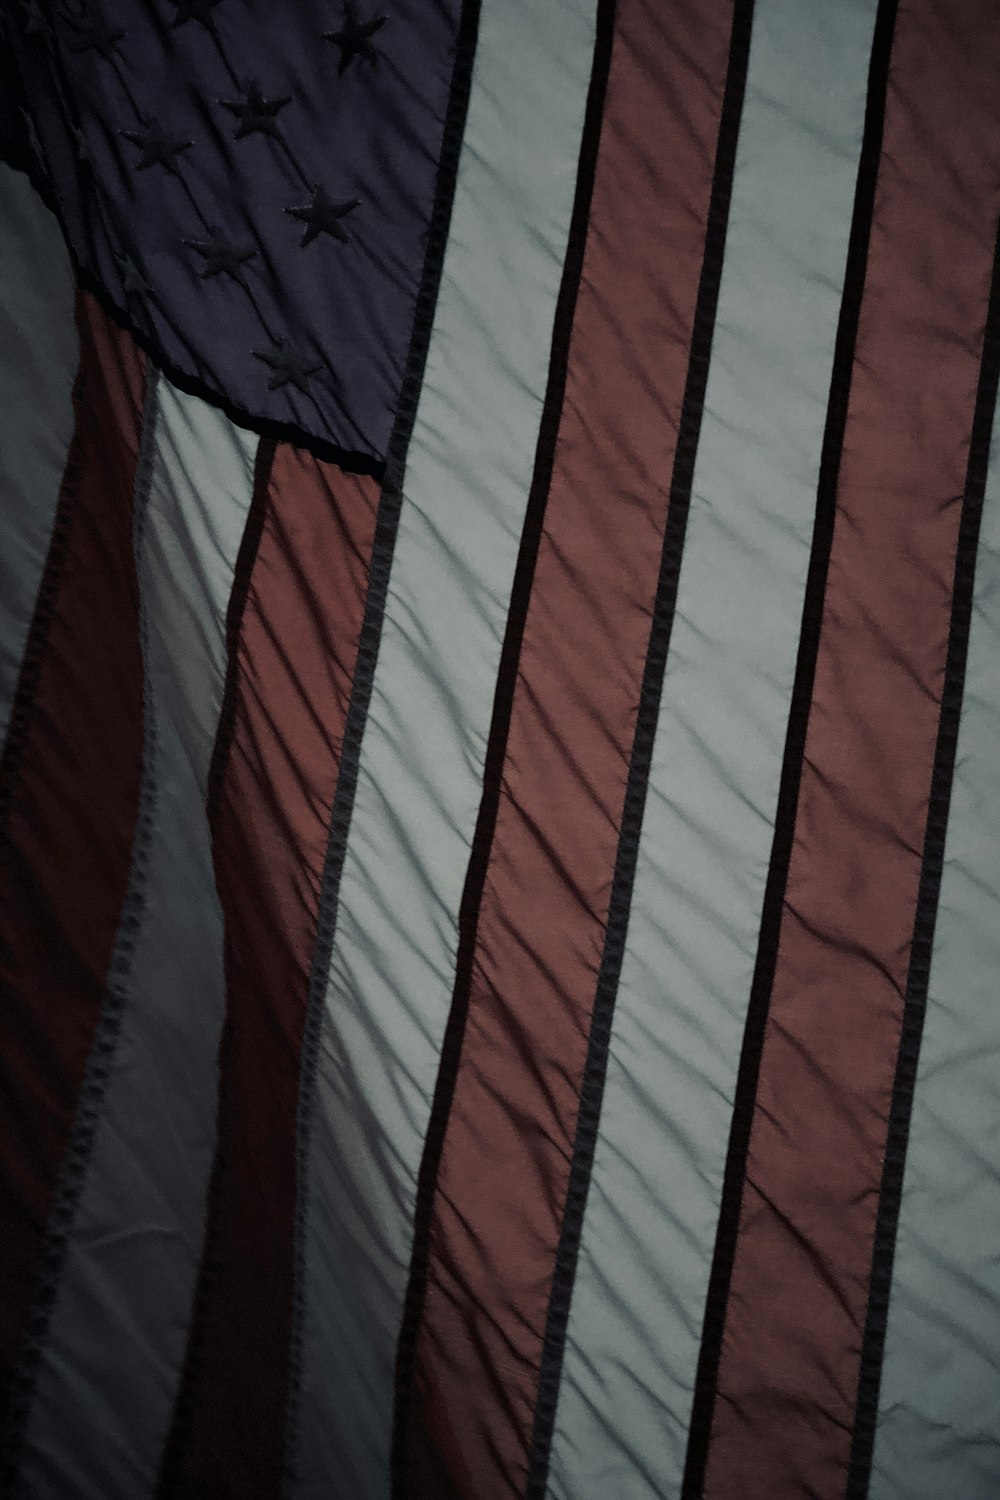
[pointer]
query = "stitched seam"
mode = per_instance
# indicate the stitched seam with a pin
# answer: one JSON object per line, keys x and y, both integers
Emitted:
{"x": 717, "y": 1297}
{"x": 595, "y": 1069}
{"x": 171, "y": 1463}
{"x": 46, "y": 601}
{"x": 239, "y": 594}
{"x": 383, "y": 546}
{"x": 72, "y": 1174}
{"x": 468, "y": 919}
{"x": 350, "y": 460}
{"x": 925, "y": 916}
{"x": 21, "y": 158}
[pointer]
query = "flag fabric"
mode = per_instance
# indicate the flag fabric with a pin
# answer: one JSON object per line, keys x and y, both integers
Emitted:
{"x": 499, "y": 696}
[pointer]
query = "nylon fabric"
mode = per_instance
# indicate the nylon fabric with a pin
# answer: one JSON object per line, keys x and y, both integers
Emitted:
{"x": 499, "y": 720}
{"x": 466, "y": 485}
{"x": 291, "y": 681}
{"x": 118, "y": 1326}
{"x": 69, "y": 793}
{"x": 41, "y": 354}
{"x": 937, "y": 1426}
{"x": 635, "y": 1324}
{"x": 252, "y": 211}
{"x": 504, "y": 1177}
{"x": 799, "y": 1292}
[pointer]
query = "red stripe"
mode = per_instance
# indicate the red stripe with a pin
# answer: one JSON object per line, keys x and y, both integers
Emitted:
{"x": 788, "y": 1375}
{"x": 72, "y": 777}
{"x": 506, "y": 1155}
{"x": 295, "y": 664}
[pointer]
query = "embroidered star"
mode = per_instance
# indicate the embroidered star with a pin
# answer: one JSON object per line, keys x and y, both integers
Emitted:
{"x": 159, "y": 147}
{"x": 220, "y": 255}
{"x": 287, "y": 366}
{"x": 255, "y": 113}
{"x": 194, "y": 10}
{"x": 355, "y": 38}
{"x": 133, "y": 280}
{"x": 323, "y": 216}
{"x": 95, "y": 34}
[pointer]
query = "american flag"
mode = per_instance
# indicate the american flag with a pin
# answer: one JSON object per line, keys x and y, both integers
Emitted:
{"x": 499, "y": 706}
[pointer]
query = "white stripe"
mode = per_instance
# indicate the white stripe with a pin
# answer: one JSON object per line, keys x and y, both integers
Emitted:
{"x": 939, "y": 1414}
{"x": 112, "y": 1359}
{"x": 468, "y": 474}
{"x": 40, "y": 353}
{"x": 639, "y": 1298}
